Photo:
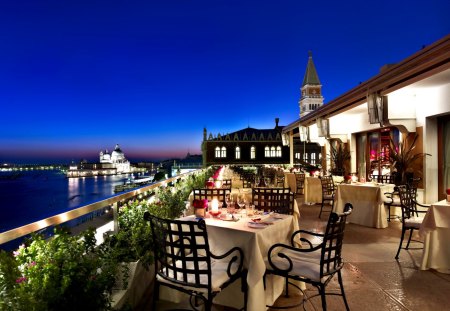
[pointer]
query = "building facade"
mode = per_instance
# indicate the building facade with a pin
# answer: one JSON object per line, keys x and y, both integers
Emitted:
{"x": 248, "y": 146}
{"x": 405, "y": 100}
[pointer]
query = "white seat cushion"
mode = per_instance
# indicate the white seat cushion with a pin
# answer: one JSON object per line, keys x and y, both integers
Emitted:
{"x": 304, "y": 264}
{"x": 218, "y": 275}
{"x": 414, "y": 222}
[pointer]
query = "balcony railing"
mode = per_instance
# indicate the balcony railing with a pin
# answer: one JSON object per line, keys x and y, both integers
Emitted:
{"x": 82, "y": 211}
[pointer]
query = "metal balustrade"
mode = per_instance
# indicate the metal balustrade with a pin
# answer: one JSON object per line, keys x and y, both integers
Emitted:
{"x": 55, "y": 220}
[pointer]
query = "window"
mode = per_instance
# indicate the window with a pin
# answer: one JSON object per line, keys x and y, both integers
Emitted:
{"x": 272, "y": 152}
{"x": 221, "y": 152}
{"x": 252, "y": 152}
{"x": 267, "y": 152}
{"x": 237, "y": 152}
{"x": 305, "y": 157}
{"x": 297, "y": 155}
{"x": 279, "y": 151}
{"x": 313, "y": 158}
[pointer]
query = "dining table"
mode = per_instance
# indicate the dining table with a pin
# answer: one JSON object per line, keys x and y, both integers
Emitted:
{"x": 435, "y": 231}
{"x": 367, "y": 200}
{"x": 313, "y": 190}
{"x": 246, "y": 193}
{"x": 255, "y": 239}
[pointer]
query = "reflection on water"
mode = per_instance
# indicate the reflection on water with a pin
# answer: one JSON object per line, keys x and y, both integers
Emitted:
{"x": 40, "y": 194}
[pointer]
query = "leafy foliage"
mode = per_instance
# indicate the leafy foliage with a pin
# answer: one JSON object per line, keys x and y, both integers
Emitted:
{"x": 403, "y": 157}
{"x": 339, "y": 157}
{"x": 63, "y": 273}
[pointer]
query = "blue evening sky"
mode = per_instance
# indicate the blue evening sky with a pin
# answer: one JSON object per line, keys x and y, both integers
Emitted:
{"x": 79, "y": 76}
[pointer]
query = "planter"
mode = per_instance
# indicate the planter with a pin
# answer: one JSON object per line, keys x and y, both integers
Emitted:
{"x": 140, "y": 284}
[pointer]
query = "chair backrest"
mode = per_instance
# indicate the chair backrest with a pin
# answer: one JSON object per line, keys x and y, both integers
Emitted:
{"x": 209, "y": 194}
{"x": 327, "y": 185}
{"x": 248, "y": 179}
{"x": 279, "y": 200}
{"x": 226, "y": 183}
{"x": 386, "y": 179}
{"x": 279, "y": 180}
{"x": 181, "y": 251}
{"x": 331, "y": 259}
{"x": 407, "y": 200}
{"x": 300, "y": 180}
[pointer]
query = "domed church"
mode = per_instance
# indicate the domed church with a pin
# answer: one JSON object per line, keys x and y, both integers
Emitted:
{"x": 116, "y": 158}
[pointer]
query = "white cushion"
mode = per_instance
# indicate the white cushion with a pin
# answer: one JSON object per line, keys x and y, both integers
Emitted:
{"x": 218, "y": 275}
{"x": 414, "y": 222}
{"x": 304, "y": 264}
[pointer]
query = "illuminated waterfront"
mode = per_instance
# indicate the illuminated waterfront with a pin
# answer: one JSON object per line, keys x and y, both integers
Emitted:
{"x": 33, "y": 195}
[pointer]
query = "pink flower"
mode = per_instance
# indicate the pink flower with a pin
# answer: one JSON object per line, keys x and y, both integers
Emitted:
{"x": 32, "y": 264}
{"x": 21, "y": 279}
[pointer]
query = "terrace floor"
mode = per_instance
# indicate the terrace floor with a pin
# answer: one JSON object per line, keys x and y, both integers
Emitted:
{"x": 373, "y": 279}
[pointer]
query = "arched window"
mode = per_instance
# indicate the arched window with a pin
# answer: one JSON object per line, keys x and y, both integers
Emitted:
{"x": 267, "y": 152}
{"x": 313, "y": 158}
{"x": 272, "y": 152}
{"x": 279, "y": 151}
{"x": 217, "y": 152}
{"x": 237, "y": 152}
{"x": 252, "y": 152}
{"x": 224, "y": 152}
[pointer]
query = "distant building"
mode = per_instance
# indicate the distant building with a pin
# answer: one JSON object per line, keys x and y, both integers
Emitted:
{"x": 311, "y": 90}
{"x": 246, "y": 146}
{"x": 117, "y": 159}
{"x": 110, "y": 164}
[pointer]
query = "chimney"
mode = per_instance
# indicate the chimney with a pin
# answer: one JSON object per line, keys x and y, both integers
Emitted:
{"x": 276, "y": 122}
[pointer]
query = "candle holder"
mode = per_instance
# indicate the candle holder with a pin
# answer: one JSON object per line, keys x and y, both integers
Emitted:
{"x": 215, "y": 214}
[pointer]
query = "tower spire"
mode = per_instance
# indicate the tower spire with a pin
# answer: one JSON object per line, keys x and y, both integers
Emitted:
{"x": 311, "y": 90}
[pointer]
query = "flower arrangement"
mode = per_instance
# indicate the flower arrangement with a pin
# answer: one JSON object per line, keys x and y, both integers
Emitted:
{"x": 200, "y": 207}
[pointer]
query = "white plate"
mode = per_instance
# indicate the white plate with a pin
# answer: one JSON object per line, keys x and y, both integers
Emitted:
{"x": 256, "y": 225}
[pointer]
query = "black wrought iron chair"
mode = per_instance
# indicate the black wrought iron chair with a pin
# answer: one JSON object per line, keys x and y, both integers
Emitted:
{"x": 327, "y": 192}
{"x": 300, "y": 182}
{"x": 183, "y": 261}
{"x": 279, "y": 200}
{"x": 209, "y": 194}
{"x": 409, "y": 208}
{"x": 313, "y": 264}
{"x": 227, "y": 183}
{"x": 279, "y": 180}
{"x": 392, "y": 201}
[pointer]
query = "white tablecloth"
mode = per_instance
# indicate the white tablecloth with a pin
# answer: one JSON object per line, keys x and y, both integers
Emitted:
{"x": 367, "y": 200}
{"x": 255, "y": 243}
{"x": 435, "y": 231}
{"x": 313, "y": 190}
{"x": 290, "y": 181}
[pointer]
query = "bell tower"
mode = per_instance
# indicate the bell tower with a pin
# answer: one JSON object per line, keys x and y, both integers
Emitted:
{"x": 311, "y": 90}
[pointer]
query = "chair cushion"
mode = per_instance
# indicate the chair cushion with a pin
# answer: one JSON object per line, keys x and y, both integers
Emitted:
{"x": 218, "y": 275}
{"x": 305, "y": 265}
{"x": 414, "y": 222}
{"x": 392, "y": 202}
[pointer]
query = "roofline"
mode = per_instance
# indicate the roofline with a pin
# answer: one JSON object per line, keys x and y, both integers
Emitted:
{"x": 430, "y": 60}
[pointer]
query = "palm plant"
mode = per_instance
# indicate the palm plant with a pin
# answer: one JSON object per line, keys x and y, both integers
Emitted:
{"x": 403, "y": 157}
{"x": 339, "y": 156}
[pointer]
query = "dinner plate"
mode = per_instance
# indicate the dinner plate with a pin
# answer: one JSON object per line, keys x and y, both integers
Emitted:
{"x": 256, "y": 225}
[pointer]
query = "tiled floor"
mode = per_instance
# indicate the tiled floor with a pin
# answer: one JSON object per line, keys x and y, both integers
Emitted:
{"x": 373, "y": 279}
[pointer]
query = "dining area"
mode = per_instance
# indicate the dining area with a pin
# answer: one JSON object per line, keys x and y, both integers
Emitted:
{"x": 235, "y": 219}
{"x": 236, "y": 230}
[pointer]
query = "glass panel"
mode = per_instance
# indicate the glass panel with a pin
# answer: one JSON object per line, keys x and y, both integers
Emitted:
{"x": 374, "y": 144}
{"x": 446, "y": 143}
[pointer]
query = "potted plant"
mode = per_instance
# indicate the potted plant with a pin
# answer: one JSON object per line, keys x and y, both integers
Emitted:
{"x": 403, "y": 157}
{"x": 339, "y": 157}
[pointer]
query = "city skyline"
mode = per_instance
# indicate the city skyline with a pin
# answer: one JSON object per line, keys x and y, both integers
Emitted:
{"x": 79, "y": 77}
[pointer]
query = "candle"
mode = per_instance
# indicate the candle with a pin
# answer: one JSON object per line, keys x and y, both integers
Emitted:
{"x": 215, "y": 206}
